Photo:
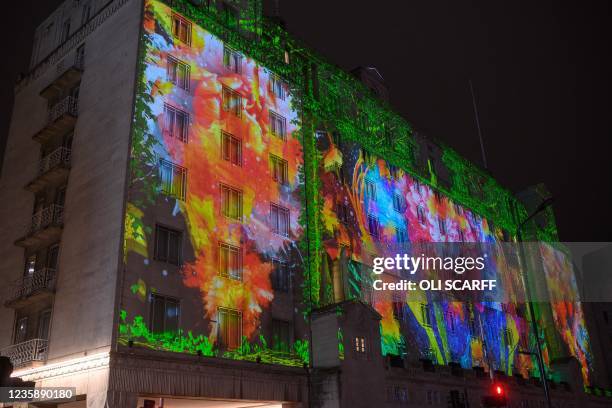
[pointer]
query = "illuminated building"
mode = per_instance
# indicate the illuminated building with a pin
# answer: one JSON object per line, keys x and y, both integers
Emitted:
{"x": 206, "y": 208}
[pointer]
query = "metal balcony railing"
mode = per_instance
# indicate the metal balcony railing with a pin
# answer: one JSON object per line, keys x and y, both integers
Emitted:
{"x": 41, "y": 279}
{"x": 59, "y": 156}
{"x": 26, "y": 352}
{"x": 68, "y": 105}
{"x": 78, "y": 62}
{"x": 50, "y": 215}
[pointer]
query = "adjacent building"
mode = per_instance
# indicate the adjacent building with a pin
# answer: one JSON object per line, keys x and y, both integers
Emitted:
{"x": 192, "y": 203}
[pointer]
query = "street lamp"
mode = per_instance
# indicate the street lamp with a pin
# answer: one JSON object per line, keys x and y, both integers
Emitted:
{"x": 534, "y": 324}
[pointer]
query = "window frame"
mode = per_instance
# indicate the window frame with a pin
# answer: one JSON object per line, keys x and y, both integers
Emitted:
{"x": 231, "y": 101}
{"x": 275, "y": 227}
{"x": 279, "y": 264}
{"x": 226, "y": 270}
{"x": 276, "y": 86}
{"x": 179, "y": 250}
{"x": 172, "y": 76}
{"x": 166, "y": 299}
{"x": 167, "y": 186}
{"x": 227, "y": 139}
{"x": 182, "y": 22}
{"x": 226, "y": 206}
{"x": 171, "y": 114}
{"x": 277, "y": 120}
{"x": 232, "y": 59}
{"x": 279, "y": 169}
{"x": 234, "y": 312}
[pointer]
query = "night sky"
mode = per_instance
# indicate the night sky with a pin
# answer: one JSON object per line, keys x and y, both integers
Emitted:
{"x": 541, "y": 72}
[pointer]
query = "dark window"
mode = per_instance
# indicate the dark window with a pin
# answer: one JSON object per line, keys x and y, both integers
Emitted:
{"x": 231, "y": 149}
{"x": 370, "y": 190}
{"x": 53, "y": 257}
{"x": 181, "y": 29}
{"x": 426, "y": 314}
{"x": 178, "y": 73}
{"x": 176, "y": 123}
{"x": 86, "y": 13}
{"x": 373, "y": 226}
{"x": 281, "y": 336}
{"x": 230, "y": 261}
{"x": 399, "y": 204}
{"x": 230, "y": 328}
{"x": 343, "y": 213}
{"x": 65, "y": 30}
{"x": 231, "y": 202}
{"x": 278, "y": 125}
{"x": 605, "y": 316}
{"x": 442, "y": 225}
{"x": 461, "y": 235}
{"x": 280, "y": 276}
{"x": 401, "y": 235}
{"x": 173, "y": 179}
{"x": 279, "y": 220}
{"x": 277, "y": 87}
{"x": 232, "y": 101}
{"x": 44, "y": 322}
{"x": 279, "y": 169}
{"x": 168, "y": 245}
{"x": 165, "y": 312}
{"x": 21, "y": 330}
{"x": 232, "y": 60}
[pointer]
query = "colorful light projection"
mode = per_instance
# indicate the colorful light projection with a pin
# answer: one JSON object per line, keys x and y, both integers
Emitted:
{"x": 239, "y": 124}
{"x": 372, "y": 209}
{"x": 566, "y": 307}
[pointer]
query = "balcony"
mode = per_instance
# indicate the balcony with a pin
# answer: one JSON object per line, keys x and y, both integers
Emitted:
{"x": 31, "y": 288}
{"x": 46, "y": 227}
{"x": 60, "y": 120}
{"x": 28, "y": 352}
{"x": 67, "y": 77}
{"x": 53, "y": 170}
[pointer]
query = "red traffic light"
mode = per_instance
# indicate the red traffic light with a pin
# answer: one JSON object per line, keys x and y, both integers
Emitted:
{"x": 499, "y": 390}
{"x": 497, "y": 397}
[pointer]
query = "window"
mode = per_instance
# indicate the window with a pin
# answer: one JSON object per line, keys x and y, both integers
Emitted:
{"x": 277, "y": 87}
{"x": 178, "y": 73}
{"x": 605, "y": 316}
{"x": 173, "y": 179}
{"x": 461, "y": 235}
{"x": 232, "y": 101}
{"x": 360, "y": 346}
{"x": 165, "y": 313}
{"x": 44, "y": 323}
{"x": 281, "y": 336}
{"x": 508, "y": 337}
{"x": 53, "y": 257}
{"x": 279, "y": 220}
{"x": 280, "y": 276}
{"x": 278, "y": 125}
{"x": 168, "y": 245}
{"x": 181, "y": 29}
{"x": 230, "y": 328}
{"x": 425, "y": 314}
{"x": 473, "y": 327}
{"x": 401, "y": 235}
{"x": 373, "y": 226}
{"x": 279, "y": 169}
{"x": 231, "y": 202}
{"x": 442, "y": 225}
{"x": 232, "y": 60}
{"x": 399, "y": 204}
{"x": 417, "y": 187}
{"x": 231, "y": 149}
{"x": 433, "y": 397}
{"x": 370, "y": 190}
{"x": 65, "y": 30}
{"x": 438, "y": 196}
{"x": 421, "y": 215}
{"x": 30, "y": 266}
{"x": 21, "y": 330}
{"x": 343, "y": 213}
{"x": 450, "y": 318}
{"x": 86, "y": 13}
{"x": 176, "y": 123}
{"x": 230, "y": 261}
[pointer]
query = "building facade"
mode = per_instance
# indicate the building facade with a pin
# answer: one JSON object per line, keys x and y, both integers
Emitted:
{"x": 198, "y": 202}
